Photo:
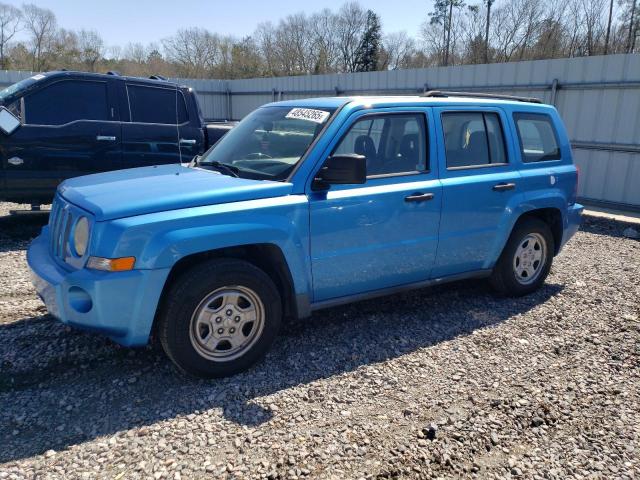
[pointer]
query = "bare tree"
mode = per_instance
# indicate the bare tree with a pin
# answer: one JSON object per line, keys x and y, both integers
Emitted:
{"x": 195, "y": 50}
{"x": 41, "y": 26}
{"x": 351, "y": 23}
{"x": 10, "y": 18}
{"x": 91, "y": 48}
{"x": 606, "y": 40}
{"x": 632, "y": 28}
{"x": 398, "y": 51}
{"x": 488, "y": 3}
{"x": 324, "y": 26}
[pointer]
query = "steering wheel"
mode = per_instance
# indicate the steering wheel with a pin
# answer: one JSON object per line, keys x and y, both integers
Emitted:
{"x": 257, "y": 155}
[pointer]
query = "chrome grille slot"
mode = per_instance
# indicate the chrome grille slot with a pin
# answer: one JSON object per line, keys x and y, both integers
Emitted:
{"x": 60, "y": 224}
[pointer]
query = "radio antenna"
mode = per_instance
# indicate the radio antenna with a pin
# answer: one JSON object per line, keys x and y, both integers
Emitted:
{"x": 178, "y": 129}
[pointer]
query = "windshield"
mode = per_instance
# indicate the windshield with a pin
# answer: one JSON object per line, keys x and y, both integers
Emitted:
{"x": 269, "y": 142}
{"x": 17, "y": 87}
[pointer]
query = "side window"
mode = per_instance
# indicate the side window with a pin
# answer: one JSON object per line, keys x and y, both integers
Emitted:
{"x": 538, "y": 139}
{"x": 473, "y": 139}
{"x": 390, "y": 143}
{"x": 66, "y": 101}
{"x": 156, "y": 105}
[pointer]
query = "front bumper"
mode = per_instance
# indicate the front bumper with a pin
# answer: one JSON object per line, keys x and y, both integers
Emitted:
{"x": 121, "y": 305}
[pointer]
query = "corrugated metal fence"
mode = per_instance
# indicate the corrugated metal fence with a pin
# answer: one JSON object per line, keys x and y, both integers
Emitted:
{"x": 598, "y": 98}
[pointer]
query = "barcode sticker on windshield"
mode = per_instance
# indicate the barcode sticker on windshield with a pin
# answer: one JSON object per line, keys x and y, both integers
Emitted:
{"x": 315, "y": 116}
{"x": 38, "y": 77}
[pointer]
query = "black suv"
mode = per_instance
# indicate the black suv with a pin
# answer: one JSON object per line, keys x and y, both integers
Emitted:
{"x": 76, "y": 123}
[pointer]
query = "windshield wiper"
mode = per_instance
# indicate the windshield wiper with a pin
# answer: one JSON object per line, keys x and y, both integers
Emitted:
{"x": 223, "y": 168}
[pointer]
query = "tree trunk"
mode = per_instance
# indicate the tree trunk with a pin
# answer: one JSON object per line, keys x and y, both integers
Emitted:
{"x": 486, "y": 33}
{"x": 606, "y": 40}
{"x": 631, "y": 40}
{"x": 446, "y": 49}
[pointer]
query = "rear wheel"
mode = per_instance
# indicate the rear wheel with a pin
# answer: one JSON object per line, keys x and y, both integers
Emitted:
{"x": 526, "y": 260}
{"x": 219, "y": 318}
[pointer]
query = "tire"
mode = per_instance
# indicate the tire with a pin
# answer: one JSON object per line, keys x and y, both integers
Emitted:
{"x": 521, "y": 270}
{"x": 219, "y": 318}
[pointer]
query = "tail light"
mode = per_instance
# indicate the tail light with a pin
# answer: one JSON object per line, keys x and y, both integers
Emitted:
{"x": 575, "y": 188}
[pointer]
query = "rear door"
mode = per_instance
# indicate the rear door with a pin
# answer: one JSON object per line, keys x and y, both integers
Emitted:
{"x": 70, "y": 128}
{"x": 479, "y": 183}
{"x": 157, "y": 129}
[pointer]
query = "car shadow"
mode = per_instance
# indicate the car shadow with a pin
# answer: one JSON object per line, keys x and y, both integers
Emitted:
{"x": 20, "y": 229}
{"x": 605, "y": 226}
{"x": 60, "y": 387}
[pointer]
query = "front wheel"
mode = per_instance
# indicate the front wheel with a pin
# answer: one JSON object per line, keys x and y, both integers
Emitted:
{"x": 219, "y": 318}
{"x": 526, "y": 260}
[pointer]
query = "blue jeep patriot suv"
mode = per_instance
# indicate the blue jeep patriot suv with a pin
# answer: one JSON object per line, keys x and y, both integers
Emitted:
{"x": 308, "y": 204}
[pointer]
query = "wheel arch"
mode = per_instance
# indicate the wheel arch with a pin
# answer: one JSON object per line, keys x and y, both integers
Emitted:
{"x": 266, "y": 256}
{"x": 552, "y": 216}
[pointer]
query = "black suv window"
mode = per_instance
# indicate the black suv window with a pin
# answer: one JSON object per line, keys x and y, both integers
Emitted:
{"x": 391, "y": 143}
{"x": 473, "y": 139}
{"x": 538, "y": 139}
{"x": 65, "y": 101}
{"x": 156, "y": 105}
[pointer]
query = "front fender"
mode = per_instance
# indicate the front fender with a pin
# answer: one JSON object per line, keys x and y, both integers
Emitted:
{"x": 159, "y": 240}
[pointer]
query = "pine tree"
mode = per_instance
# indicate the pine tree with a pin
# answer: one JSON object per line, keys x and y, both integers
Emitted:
{"x": 368, "y": 53}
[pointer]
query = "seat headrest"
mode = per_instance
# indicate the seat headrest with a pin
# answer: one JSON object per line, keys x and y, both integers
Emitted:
{"x": 364, "y": 146}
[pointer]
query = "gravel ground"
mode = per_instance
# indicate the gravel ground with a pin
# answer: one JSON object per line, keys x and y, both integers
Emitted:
{"x": 443, "y": 382}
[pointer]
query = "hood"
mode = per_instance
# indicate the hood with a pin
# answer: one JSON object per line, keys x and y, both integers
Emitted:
{"x": 138, "y": 191}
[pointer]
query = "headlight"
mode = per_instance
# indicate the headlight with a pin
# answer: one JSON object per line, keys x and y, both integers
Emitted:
{"x": 81, "y": 236}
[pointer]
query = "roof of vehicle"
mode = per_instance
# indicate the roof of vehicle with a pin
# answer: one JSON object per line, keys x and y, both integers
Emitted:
{"x": 380, "y": 101}
{"x": 76, "y": 73}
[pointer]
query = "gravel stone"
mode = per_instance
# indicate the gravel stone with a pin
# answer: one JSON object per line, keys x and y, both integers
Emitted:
{"x": 445, "y": 382}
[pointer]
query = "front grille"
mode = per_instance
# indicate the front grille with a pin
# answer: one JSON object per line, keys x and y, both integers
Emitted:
{"x": 60, "y": 222}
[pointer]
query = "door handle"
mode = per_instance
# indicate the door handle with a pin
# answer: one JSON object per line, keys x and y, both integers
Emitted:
{"x": 187, "y": 141}
{"x": 419, "y": 197}
{"x": 501, "y": 187}
{"x": 106, "y": 138}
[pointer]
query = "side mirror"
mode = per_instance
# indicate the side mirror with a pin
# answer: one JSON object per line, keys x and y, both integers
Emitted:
{"x": 8, "y": 121}
{"x": 344, "y": 169}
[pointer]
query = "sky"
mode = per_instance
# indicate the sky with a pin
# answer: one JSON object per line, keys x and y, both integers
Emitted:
{"x": 122, "y": 21}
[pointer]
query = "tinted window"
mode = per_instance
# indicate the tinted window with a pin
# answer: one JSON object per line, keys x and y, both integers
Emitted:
{"x": 156, "y": 105}
{"x": 472, "y": 139}
{"x": 391, "y": 143}
{"x": 66, "y": 101}
{"x": 538, "y": 140}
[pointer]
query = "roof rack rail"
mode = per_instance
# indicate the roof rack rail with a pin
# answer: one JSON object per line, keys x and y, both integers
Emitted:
{"x": 158, "y": 77}
{"x": 443, "y": 93}
{"x": 114, "y": 73}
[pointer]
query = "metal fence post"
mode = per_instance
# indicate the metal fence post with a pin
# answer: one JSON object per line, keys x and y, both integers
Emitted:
{"x": 554, "y": 91}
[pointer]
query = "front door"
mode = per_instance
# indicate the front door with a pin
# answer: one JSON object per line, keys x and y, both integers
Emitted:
{"x": 479, "y": 183}
{"x": 68, "y": 130}
{"x": 383, "y": 233}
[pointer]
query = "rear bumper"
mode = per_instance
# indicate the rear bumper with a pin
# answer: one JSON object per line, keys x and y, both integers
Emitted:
{"x": 121, "y": 305}
{"x": 572, "y": 223}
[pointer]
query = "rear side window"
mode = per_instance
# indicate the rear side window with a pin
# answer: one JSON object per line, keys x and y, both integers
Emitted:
{"x": 66, "y": 101}
{"x": 537, "y": 136}
{"x": 473, "y": 139}
{"x": 156, "y": 105}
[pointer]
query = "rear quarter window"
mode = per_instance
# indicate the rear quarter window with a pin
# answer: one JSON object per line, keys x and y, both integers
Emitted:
{"x": 537, "y": 137}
